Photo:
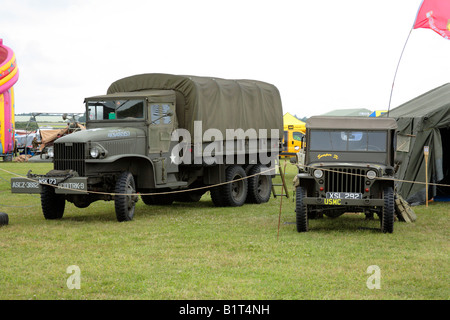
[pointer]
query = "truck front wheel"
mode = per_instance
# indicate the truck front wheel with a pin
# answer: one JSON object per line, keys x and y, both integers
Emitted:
{"x": 125, "y": 198}
{"x": 52, "y": 204}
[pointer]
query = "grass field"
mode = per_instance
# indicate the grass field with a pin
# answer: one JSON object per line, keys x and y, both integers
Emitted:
{"x": 197, "y": 251}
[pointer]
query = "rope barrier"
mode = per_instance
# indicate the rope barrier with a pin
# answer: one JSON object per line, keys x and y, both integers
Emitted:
{"x": 223, "y": 183}
{"x": 144, "y": 194}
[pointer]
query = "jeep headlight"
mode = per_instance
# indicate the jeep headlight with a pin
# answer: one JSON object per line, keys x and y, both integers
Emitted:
{"x": 318, "y": 174}
{"x": 94, "y": 152}
{"x": 371, "y": 174}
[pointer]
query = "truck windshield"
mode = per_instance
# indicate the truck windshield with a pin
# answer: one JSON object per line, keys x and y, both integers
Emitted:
{"x": 338, "y": 140}
{"x": 115, "y": 109}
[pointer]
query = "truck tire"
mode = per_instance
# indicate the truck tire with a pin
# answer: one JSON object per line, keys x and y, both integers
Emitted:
{"x": 52, "y": 204}
{"x": 232, "y": 194}
{"x": 4, "y": 219}
{"x": 125, "y": 202}
{"x": 301, "y": 214}
{"x": 387, "y": 216}
{"x": 260, "y": 186}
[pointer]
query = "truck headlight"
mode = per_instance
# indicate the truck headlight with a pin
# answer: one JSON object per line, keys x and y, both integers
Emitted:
{"x": 371, "y": 174}
{"x": 318, "y": 174}
{"x": 94, "y": 152}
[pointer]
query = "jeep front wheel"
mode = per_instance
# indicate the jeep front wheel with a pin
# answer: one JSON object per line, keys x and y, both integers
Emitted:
{"x": 301, "y": 213}
{"x": 387, "y": 216}
{"x": 125, "y": 198}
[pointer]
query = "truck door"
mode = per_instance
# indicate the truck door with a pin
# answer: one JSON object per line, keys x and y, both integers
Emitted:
{"x": 162, "y": 122}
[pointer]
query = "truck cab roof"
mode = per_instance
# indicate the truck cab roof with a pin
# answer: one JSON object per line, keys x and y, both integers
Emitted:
{"x": 149, "y": 95}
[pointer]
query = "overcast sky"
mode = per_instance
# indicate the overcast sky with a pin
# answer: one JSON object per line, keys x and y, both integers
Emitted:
{"x": 322, "y": 55}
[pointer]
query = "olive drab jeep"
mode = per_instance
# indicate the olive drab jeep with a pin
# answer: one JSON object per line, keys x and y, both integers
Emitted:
{"x": 346, "y": 165}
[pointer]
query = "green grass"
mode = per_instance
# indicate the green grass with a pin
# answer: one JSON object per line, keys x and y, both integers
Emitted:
{"x": 198, "y": 251}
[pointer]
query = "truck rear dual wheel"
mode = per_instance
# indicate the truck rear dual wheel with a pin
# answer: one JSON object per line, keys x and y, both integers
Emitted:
{"x": 259, "y": 186}
{"x": 125, "y": 198}
{"x": 234, "y": 192}
{"x": 52, "y": 204}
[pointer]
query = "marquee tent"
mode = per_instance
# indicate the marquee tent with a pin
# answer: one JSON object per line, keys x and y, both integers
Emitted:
{"x": 424, "y": 122}
{"x": 292, "y": 123}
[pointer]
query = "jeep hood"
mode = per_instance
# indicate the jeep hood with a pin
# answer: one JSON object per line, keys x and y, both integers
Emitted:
{"x": 102, "y": 134}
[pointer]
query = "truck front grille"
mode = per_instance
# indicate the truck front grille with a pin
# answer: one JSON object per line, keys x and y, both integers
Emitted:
{"x": 69, "y": 156}
{"x": 344, "y": 180}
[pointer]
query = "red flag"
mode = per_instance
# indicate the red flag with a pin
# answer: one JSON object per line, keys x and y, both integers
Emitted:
{"x": 434, "y": 15}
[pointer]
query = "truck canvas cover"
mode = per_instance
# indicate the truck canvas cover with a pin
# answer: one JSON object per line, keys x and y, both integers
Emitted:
{"x": 218, "y": 103}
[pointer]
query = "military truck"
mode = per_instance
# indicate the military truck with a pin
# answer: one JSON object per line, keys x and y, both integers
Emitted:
{"x": 166, "y": 138}
{"x": 347, "y": 165}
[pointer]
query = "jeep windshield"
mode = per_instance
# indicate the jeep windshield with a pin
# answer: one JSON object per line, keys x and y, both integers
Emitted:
{"x": 345, "y": 140}
{"x": 115, "y": 109}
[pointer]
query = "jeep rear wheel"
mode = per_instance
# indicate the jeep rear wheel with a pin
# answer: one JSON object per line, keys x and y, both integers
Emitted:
{"x": 301, "y": 215}
{"x": 52, "y": 204}
{"x": 125, "y": 198}
{"x": 387, "y": 216}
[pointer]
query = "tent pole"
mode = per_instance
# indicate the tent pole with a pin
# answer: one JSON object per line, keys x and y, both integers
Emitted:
{"x": 404, "y": 46}
{"x": 395, "y": 74}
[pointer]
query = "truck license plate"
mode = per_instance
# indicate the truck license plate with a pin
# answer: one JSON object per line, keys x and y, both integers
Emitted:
{"x": 344, "y": 195}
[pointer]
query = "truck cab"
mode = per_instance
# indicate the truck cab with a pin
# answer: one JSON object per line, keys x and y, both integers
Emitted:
{"x": 346, "y": 165}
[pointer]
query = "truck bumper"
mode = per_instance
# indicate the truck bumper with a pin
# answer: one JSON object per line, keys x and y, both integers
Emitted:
{"x": 344, "y": 202}
{"x": 74, "y": 185}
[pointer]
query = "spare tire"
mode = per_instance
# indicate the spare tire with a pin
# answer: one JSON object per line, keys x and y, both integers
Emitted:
{"x": 3, "y": 219}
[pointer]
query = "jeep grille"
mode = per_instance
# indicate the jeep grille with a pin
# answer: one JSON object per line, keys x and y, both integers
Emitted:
{"x": 70, "y": 156}
{"x": 345, "y": 180}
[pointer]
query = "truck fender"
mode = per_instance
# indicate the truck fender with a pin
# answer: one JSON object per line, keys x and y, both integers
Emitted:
{"x": 140, "y": 166}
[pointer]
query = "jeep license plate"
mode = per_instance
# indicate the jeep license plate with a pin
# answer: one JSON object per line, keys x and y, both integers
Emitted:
{"x": 344, "y": 195}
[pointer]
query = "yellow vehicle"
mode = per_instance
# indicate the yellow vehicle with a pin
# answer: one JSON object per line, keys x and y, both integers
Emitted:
{"x": 294, "y": 130}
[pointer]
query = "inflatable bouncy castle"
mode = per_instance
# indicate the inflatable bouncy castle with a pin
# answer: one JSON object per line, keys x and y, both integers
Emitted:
{"x": 9, "y": 73}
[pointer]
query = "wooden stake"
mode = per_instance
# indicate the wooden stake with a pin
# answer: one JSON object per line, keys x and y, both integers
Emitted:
{"x": 426, "y": 153}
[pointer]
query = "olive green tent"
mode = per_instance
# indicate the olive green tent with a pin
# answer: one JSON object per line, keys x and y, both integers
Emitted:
{"x": 219, "y": 103}
{"x": 424, "y": 122}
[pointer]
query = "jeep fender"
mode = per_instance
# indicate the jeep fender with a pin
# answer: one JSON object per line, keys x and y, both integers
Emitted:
{"x": 302, "y": 179}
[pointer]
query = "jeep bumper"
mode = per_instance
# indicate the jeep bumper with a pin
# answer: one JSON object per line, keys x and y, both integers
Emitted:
{"x": 344, "y": 202}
